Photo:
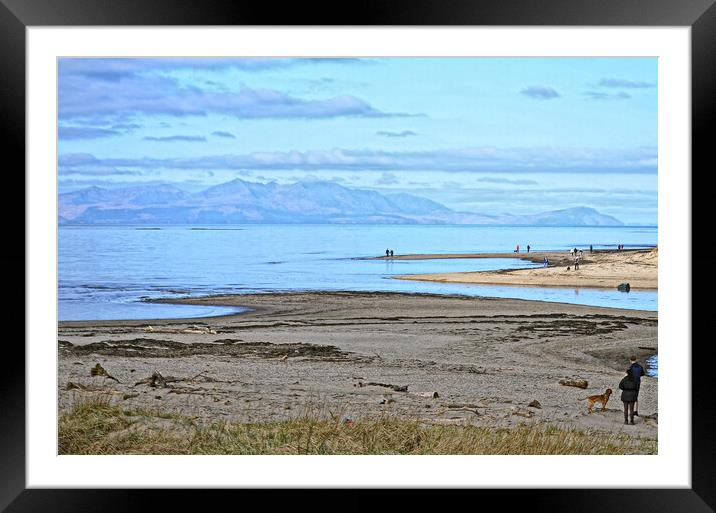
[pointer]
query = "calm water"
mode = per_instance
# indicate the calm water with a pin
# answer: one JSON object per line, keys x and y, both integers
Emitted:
{"x": 106, "y": 271}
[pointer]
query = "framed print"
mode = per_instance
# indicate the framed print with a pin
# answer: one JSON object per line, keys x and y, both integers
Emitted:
{"x": 413, "y": 247}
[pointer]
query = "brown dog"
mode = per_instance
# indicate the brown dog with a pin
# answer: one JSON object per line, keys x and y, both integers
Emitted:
{"x": 600, "y": 398}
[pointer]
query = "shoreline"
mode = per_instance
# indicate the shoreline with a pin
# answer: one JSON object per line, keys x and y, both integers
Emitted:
{"x": 487, "y": 359}
{"x": 600, "y": 269}
{"x": 234, "y": 301}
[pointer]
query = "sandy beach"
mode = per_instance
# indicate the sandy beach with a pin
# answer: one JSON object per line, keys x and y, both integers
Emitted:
{"x": 600, "y": 269}
{"x": 438, "y": 359}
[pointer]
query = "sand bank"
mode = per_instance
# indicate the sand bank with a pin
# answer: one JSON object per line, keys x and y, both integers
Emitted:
{"x": 463, "y": 360}
{"x": 601, "y": 269}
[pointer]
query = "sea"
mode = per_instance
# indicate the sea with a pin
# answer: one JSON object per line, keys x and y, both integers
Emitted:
{"x": 108, "y": 272}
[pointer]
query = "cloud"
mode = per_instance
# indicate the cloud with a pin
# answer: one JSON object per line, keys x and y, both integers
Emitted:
{"x": 116, "y": 91}
{"x": 77, "y": 132}
{"x": 624, "y": 84}
{"x": 387, "y": 179}
{"x": 404, "y": 133}
{"x": 176, "y": 138}
{"x": 598, "y": 95}
{"x": 540, "y": 92}
{"x": 121, "y": 101}
{"x": 128, "y": 127}
{"x": 506, "y": 181}
{"x": 115, "y": 69}
{"x": 221, "y": 133}
{"x": 575, "y": 160}
{"x": 99, "y": 170}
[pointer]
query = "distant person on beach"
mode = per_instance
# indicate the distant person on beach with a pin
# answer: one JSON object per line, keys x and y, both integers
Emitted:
{"x": 387, "y": 252}
{"x": 590, "y": 248}
{"x": 545, "y": 262}
{"x": 637, "y": 371}
{"x": 630, "y": 393}
{"x": 580, "y": 253}
{"x": 528, "y": 248}
{"x": 391, "y": 252}
{"x": 517, "y": 249}
{"x": 576, "y": 263}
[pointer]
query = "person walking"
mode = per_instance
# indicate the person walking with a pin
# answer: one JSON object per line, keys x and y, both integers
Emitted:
{"x": 590, "y": 248}
{"x": 545, "y": 262}
{"x": 637, "y": 371}
{"x": 391, "y": 253}
{"x": 387, "y": 252}
{"x": 630, "y": 394}
{"x": 528, "y": 248}
{"x": 517, "y": 249}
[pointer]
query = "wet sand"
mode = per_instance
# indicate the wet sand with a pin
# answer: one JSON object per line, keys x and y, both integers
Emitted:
{"x": 463, "y": 360}
{"x": 600, "y": 269}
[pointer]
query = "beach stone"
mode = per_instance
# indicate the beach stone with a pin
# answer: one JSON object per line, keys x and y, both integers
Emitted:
{"x": 572, "y": 382}
{"x": 535, "y": 404}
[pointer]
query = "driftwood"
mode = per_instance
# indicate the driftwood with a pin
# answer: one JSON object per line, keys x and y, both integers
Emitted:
{"x": 523, "y": 413}
{"x": 157, "y": 380}
{"x": 574, "y": 382}
{"x": 98, "y": 370}
{"x": 433, "y": 395}
{"x": 75, "y": 386}
{"x": 397, "y": 388}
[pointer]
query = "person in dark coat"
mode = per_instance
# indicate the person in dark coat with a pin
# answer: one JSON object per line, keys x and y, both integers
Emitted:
{"x": 630, "y": 393}
{"x": 637, "y": 371}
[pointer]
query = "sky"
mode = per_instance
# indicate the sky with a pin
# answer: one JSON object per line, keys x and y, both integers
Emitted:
{"x": 486, "y": 135}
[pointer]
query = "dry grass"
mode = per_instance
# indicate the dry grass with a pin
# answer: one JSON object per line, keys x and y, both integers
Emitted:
{"x": 97, "y": 427}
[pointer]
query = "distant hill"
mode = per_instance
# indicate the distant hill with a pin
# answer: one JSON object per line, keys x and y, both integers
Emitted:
{"x": 239, "y": 201}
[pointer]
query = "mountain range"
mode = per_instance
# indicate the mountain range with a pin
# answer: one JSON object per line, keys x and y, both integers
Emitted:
{"x": 239, "y": 201}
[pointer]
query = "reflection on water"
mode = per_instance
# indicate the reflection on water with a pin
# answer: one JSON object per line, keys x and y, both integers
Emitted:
{"x": 652, "y": 366}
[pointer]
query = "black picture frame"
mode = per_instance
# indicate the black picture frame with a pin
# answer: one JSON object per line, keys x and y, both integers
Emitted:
{"x": 17, "y": 15}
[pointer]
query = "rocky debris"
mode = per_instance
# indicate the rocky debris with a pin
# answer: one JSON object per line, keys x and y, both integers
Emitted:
{"x": 574, "y": 382}
{"x": 192, "y": 330}
{"x": 535, "y": 404}
{"x": 463, "y": 368}
{"x": 157, "y": 348}
{"x": 98, "y": 370}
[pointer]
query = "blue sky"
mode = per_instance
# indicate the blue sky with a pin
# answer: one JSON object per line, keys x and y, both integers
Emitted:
{"x": 518, "y": 135}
